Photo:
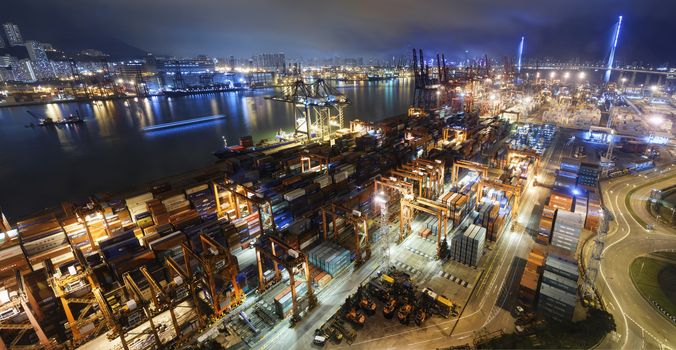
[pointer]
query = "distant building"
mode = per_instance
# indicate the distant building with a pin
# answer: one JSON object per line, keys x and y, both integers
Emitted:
{"x": 25, "y": 71}
{"x": 38, "y": 56}
{"x": 13, "y": 69}
{"x": 93, "y": 53}
{"x": 183, "y": 72}
{"x": 270, "y": 61}
{"x": 13, "y": 34}
{"x": 2, "y": 43}
{"x": 36, "y": 52}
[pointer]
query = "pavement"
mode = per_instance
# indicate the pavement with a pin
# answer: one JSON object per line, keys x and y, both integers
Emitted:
{"x": 489, "y": 308}
{"x": 639, "y": 325}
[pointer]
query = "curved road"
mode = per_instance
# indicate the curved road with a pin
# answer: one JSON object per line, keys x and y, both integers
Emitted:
{"x": 639, "y": 325}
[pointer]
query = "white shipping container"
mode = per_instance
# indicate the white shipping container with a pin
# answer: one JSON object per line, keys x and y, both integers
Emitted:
{"x": 297, "y": 193}
{"x": 196, "y": 189}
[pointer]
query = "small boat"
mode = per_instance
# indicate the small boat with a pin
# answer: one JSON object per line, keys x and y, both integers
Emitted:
{"x": 72, "y": 119}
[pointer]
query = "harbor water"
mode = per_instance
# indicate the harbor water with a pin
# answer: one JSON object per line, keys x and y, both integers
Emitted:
{"x": 43, "y": 166}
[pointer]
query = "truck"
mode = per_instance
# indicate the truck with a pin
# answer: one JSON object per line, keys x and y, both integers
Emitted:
{"x": 390, "y": 307}
{"x": 404, "y": 313}
{"x": 356, "y": 317}
{"x": 366, "y": 304}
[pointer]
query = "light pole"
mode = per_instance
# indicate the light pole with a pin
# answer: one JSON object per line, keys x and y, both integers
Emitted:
{"x": 381, "y": 199}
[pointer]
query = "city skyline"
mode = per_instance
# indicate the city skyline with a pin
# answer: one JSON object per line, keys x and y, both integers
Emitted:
{"x": 374, "y": 30}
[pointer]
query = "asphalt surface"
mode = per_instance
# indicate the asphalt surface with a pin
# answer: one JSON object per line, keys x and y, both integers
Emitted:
{"x": 489, "y": 309}
{"x": 639, "y": 325}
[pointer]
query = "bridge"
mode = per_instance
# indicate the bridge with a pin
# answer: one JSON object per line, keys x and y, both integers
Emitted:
{"x": 607, "y": 68}
{"x": 576, "y": 67}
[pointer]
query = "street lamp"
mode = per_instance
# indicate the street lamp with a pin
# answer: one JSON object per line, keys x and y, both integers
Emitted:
{"x": 581, "y": 75}
{"x": 552, "y": 75}
{"x": 381, "y": 200}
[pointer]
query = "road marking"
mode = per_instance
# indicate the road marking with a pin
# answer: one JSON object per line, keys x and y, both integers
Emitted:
{"x": 617, "y": 205}
{"x": 424, "y": 341}
{"x": 643, "y": 330}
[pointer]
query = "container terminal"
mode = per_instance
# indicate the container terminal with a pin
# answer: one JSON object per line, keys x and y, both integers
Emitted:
{"x": 353, "y": 231}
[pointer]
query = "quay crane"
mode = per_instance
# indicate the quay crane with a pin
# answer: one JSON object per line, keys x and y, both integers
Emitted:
{"x": 318, "y": 108}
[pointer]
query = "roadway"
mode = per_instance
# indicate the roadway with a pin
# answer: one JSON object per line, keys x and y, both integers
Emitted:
{"x": 490, "y": 307}
{"x": 639, "y": 325}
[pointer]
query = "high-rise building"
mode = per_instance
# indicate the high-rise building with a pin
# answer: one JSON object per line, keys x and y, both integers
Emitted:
{"x": 25, "y": 71}
{"x": 36, "y": 51}
{"x": 2, "y": 43}
{"x": 13, "y": 34}
{"x": 270, "y": 61}
{"x": 38, "y": 56}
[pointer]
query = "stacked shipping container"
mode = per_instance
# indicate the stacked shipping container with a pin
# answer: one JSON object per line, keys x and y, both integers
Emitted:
{"x": 467, "y": 247}
{"x": 567, "y": 229}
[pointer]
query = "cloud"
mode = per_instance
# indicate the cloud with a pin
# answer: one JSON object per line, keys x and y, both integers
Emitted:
{"x": 356, "y": 27}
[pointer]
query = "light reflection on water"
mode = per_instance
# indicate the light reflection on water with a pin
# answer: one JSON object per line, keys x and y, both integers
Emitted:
{"x": 109, "y": 153}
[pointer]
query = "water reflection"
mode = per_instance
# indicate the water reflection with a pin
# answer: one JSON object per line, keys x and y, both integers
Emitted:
{"x": 110, "y": 152}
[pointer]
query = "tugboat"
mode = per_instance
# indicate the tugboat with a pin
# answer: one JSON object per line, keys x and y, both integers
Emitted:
{"x": 72, "y": 119}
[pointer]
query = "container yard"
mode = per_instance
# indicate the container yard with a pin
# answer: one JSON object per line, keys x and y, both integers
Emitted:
{"x": 418, "y": 205}
{"x": 305, "y": 212}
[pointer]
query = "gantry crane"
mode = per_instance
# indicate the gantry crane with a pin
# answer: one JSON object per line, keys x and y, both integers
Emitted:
{"x": 434, "y": 171}
{"x": 512, "y": 153}
{"x": 361, "y": 126}
{"x": 134, "y": 292}
{"x": 459, "y": 135}
{"x": 238, "y": 193}
{"x": 217, "y": 272}
{"x": 170, "y": 295}
{"x": 294, "y": 262}
{"x": 441, "y": 212}
{"x": 362, "y": 246}
{"x": 15, "y": 335}
{"x": 380, "y": 183}
{"x": 307, "y": 158}
{"x": 428, "y": 174}
{"x": 319, "y": 108}
{"x": 425, "y": 90}
{"x": 124, "y": 311}
{"x": 75, "y": 291}
{"x": 406, "y": 175}
{"x": 478, "y": 167}
{"x": 514, "y": 190}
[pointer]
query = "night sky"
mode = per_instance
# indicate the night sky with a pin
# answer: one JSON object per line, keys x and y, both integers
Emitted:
{"x": 368, "y": 28}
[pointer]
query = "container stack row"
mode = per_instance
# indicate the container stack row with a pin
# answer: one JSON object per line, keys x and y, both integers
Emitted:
{"x": 546, "y": 225}
{"x": 567, "y": 229}
{"x": 467, "y": 247}
{"x": 202, "y": 199}
{"x": 284, "y": 301}
{"x": 594, "y": 212}
{"x": 457, "y": 204}
{"x": 558, "y": 289}
{"x": 530, "y": 280}
{"x": 43, "y": 238}
{"x": 330, "y": 257}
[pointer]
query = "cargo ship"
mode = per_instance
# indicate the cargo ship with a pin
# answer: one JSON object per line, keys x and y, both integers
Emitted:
{"x": 246, "y": 145}
{"x": 201, "y": 90}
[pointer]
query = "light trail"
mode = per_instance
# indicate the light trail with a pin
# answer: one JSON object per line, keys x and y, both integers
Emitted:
{"x": 183, "y": 123}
